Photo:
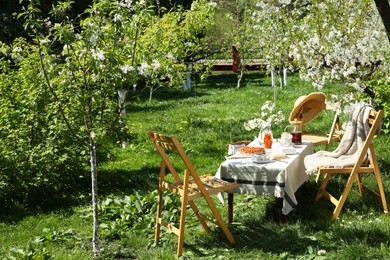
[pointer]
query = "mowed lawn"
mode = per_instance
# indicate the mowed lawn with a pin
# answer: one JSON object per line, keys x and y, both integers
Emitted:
{"x": 205, "y": 119}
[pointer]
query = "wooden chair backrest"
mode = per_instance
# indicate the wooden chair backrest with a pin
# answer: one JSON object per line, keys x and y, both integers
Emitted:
{"x": 336, "y": 120}
{"x": 164, "y": 144}
{"x": 374, "y": 120}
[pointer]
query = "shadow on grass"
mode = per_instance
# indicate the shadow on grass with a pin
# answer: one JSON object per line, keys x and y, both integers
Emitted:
{"x": 268, "y": 238}
{"x": 225, "y": 81}
{"x": 14, "y": 211}
{"x": 122, "y": 182}
{"x": 78, "y": 192}
{"x": 267, "y": 234}
{"x": 159, "y": 95}
{"x": 384, "y": 166}
{"x": 199, "y": 89}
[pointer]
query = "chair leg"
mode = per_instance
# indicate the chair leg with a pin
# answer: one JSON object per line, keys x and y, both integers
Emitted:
{"x": 230, "y": 207}
{"x": 377, "y": 174}
{"x": 381, "y": 191}
{"x": 183, "y": 215}
{"x": 327, "y": 147}
{"x": 158, "y": 216}
{"x": 219, "y": 219}
{"x": 199, "y": 216}
{"x": 360, "y": 184}
{"x": 159, "y": 202}
{"x": 344, "y": 195}
{"x": 322, "y": 187}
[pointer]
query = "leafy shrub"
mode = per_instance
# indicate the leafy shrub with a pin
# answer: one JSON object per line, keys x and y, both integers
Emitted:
{"x": 382, "y": 97}
{"x": 69, "y": 238}
{"x": 37, "y": 155}
{"x": 31, "y": 251}
{"x": 135, "y": 213}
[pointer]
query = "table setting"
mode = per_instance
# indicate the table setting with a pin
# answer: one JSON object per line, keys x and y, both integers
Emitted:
{"x": 276, "y": 170}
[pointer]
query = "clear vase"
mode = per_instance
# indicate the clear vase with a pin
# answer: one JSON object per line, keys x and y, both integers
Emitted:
{"x": 262, "y": 135}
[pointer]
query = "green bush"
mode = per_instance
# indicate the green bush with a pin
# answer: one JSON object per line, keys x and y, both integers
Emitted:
{"x": 37, "y": 154}
{"x": 382, "y": 97}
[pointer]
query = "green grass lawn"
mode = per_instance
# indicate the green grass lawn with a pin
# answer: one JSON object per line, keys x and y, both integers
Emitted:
{"x": 204, "y": 119}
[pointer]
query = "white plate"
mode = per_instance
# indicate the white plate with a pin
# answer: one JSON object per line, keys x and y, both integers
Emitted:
{"x": 262, "y": 162}
{"x": 239, "y": 156}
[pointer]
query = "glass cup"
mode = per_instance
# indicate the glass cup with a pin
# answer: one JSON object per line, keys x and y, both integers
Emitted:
{"x": 286, "y": 139}
{"x": 259, "y": 156}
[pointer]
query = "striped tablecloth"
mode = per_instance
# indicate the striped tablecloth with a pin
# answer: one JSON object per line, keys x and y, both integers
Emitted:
{"x": 279, "y": 178}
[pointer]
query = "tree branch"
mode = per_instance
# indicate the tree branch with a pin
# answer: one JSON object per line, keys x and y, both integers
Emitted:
{"x": 383, "y": 7}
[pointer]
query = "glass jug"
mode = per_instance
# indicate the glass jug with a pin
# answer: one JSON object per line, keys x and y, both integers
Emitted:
{"x": 296, "y": 131}
{"x": 268, "y": 140}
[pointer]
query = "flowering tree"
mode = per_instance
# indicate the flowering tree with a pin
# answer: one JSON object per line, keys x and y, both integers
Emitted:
{"x": 114, "y": 44}
{"x": 331, "y": 48}
{"x": 326, "y": 41}
{"x": 171, "y": 41}
{"x": 84, "y": 79}
{"x": 234, "y": 27}
{"x": 273, "y": 20}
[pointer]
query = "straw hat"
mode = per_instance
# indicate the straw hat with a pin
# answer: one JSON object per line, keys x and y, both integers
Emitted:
{"x": 306, "y": 108}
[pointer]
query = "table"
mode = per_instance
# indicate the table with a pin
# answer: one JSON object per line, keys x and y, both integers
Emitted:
{"x": 280, "y": 178}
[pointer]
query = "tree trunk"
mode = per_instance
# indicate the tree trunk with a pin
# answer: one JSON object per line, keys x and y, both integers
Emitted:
{"x": 280, "y": 76}
{"x": 383, "y": 7}
{"x": 273, "y": 83}
{"x": 95, "y": 201}
{"x": 285, "y": 81}
{"x": 150, "y": 94}
{"x": 187, "y": 83}
{"x": 240, "y": 78}
{"x": 272, "y": 76}
{"x": 122, "y": 112}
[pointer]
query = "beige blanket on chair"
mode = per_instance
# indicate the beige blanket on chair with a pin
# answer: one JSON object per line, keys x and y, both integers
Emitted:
{"x": 347, "y": 153}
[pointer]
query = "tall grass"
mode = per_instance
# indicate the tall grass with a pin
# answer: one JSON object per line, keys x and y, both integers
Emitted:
{"x": 205, "y": 120}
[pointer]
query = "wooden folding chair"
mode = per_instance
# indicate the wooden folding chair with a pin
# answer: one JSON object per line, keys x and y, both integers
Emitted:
{"x": 190, "y": 188}
{"x": 306, "y": 108}
{"x": 318, "y": 139}
{"x": 355, "y": 172}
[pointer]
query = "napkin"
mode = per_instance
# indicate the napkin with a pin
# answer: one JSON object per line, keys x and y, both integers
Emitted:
{"x": 277, "y": 156}
{"x": 288, "y": 150}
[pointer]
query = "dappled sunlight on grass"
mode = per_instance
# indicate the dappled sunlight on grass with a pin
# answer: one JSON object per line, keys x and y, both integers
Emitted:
{"x": 205, "y": 119}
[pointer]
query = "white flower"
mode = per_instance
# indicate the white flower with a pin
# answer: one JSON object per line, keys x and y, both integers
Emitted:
{"x": 126, "y": 68}
{"x": 4, "y": 51}
{"x": 321, "y": 252}
{"x": 255, "y": 123}
{"x": 126, "y": 3}
{"x": 98, "y": 55}
{"x": 143, "y": 70}
{"x": 170, "y": 56}
{"x": 118, "y": 18}
{"x": 16, "y": 57}
{"x": 188, "y": 44}
{"x": 93, "y": 38}
{"x": 17, "y": 49}
{"x": 45, "y": 41}
{"x": 267, "y": 118}
{"x": 212, "y": 4}
{"x": 156, "y": 64}
{"x": 285, "y": 2}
